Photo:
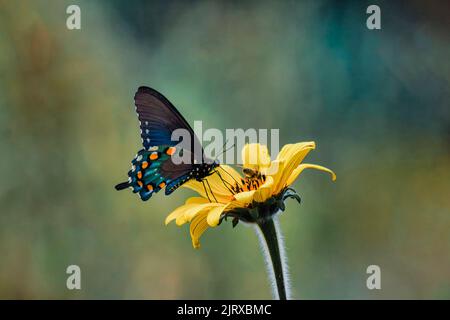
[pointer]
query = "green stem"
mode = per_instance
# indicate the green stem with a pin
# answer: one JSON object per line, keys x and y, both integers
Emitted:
{"x": 269, "y": 233}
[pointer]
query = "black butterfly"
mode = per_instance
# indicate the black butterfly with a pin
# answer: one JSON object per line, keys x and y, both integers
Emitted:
{"x": 153, "y": 167}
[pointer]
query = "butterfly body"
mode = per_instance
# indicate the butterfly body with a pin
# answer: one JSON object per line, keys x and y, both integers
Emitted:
{"x": 154, "y": 167}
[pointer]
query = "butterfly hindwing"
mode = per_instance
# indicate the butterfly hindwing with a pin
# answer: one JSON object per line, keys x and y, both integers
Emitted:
{"x": 179, "y": 173}
{"x": 153, "y": 169}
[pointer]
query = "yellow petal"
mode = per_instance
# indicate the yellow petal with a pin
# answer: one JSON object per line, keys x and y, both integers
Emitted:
{"x": 180, "y": 211}
{"x": 289, "y": 149}
{"x": 230, "y": 174}
{"x": 292, "y": 155}
{"x": 275, "y": 171}
{"x": 196, "y": 186}
{"x": 190, "y": 202}
{"x": 196, "y": 200}
{"x": 264, "y": 192}
{"x": 197, "y": 228}
{"x": 219, "y": 184}
{"x": 214, "y": 214}
{"x": 304, "y": 166}
{"x": 245, "y": 197}
{"x": 255, "y": 156}
{"x": 194, "y": 210}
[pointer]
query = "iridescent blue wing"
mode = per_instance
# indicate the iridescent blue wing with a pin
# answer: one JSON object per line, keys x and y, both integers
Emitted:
{"x": 153, "y": 169}
{"x": 159, "y": 118}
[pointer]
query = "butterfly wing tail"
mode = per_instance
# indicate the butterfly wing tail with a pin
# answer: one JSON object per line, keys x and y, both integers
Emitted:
{"x": 145, "y": 176}
{"x": 122, "y": 186}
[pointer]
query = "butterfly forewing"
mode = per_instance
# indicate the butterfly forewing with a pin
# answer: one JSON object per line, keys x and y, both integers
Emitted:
{"x": 159, "y": 119}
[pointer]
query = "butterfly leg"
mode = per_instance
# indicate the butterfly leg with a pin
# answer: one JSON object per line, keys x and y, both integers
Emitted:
{"x": 237, "y": 182}
{"x": 206, "y": 191}
{"x": 210, "y": 190}
{"x": 225, "y": 183}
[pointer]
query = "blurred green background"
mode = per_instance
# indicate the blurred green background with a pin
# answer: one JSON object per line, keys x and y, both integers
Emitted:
{"x": 375, "y": 102}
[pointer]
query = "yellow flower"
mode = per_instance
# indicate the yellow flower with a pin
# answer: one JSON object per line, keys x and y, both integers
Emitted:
{"x": 256, "y": 196}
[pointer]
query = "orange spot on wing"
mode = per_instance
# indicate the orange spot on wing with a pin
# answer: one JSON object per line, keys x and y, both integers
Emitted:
{"x": 144, "y": 165}
{"x": 149, "y": 187}
{"x": 162, "y": 185}
{"x": 139, "y": 175}
{"x": 154, "y": 156}
{"x": 140, "y": 183}
{"x": 170, "y": 151}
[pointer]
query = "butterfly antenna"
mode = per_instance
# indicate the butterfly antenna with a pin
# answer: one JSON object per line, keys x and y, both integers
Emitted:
{"x": 223, "y": 147}
{"x": 225, "y": 150}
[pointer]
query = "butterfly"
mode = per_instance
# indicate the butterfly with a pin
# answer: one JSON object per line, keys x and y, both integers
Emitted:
{"x": 153, "y": 167}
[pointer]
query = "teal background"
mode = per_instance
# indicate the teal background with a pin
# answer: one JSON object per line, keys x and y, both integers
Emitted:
{"x": 375, "y": 102}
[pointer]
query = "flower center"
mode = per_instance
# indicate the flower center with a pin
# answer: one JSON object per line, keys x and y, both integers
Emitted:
{"x": 252, "y": 181}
